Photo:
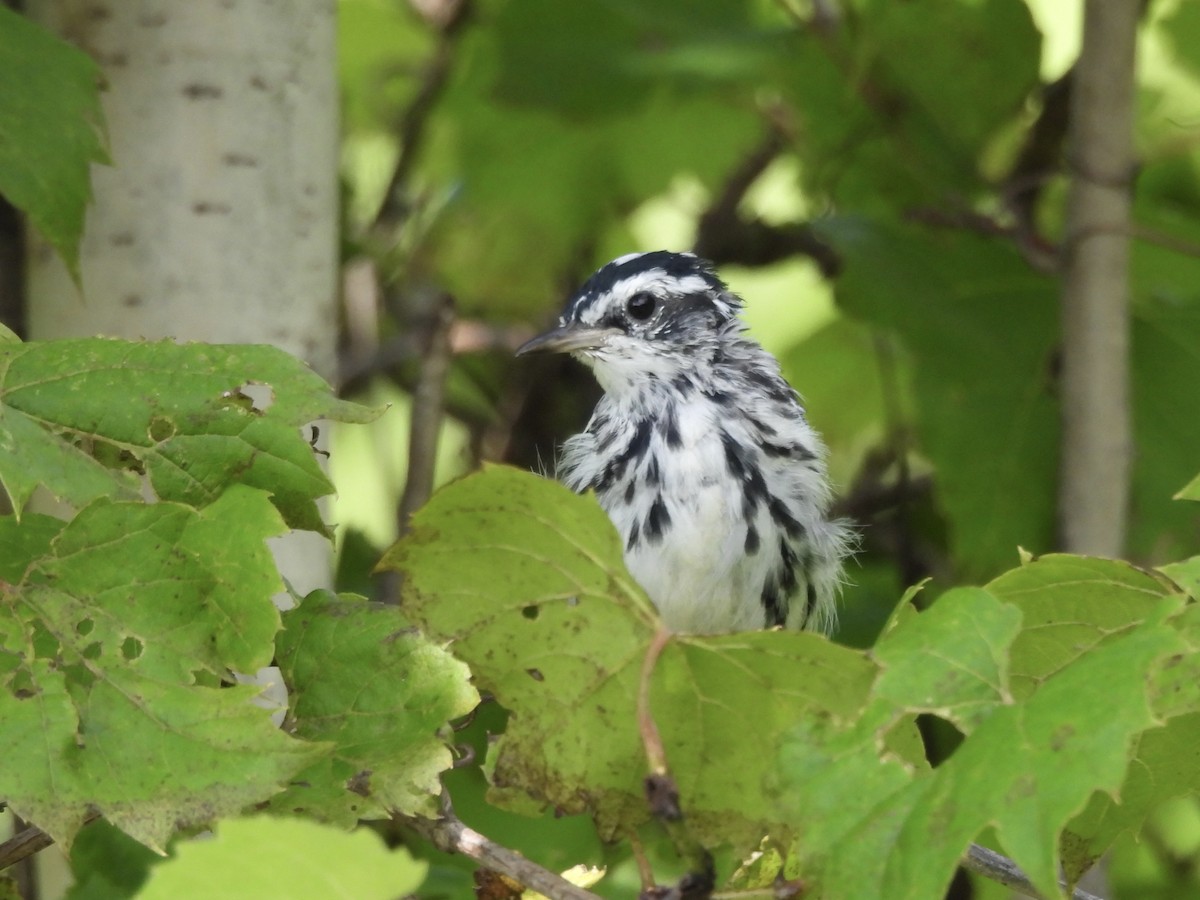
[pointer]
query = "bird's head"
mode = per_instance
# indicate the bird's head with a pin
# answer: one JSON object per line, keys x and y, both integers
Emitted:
{"x": 644, "y": 314}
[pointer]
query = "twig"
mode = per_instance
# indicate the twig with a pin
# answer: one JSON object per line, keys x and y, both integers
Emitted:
{"x": 427, "y": 407}
{"x": 449, "y": 834}
{"x": 28, "y": 841}
{"x": 726, "y": 236}
{"x": 1170, "y": 242}
{"x": 394, "y": 209}
{"x": 28, "y": 887}
{"x": 662, "y": 794}
{"x": 1093, "y": 498}
{"x": 1001, "y": 869}
{"x": 22, "y": 845}
{"x": 1039, "y": 159}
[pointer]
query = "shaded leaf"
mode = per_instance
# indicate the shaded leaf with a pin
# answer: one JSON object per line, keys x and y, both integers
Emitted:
{"x": 982, "y": 347}
{"x": 380, "y": 715}
{"x": 50, "y": 131}
{"x": 261, "y": 856}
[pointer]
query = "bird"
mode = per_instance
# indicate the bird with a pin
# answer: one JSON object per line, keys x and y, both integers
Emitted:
{"x": 699, "y": 451}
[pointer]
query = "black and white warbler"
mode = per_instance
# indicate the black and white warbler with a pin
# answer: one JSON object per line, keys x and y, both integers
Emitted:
{"x": 699, "y": 451}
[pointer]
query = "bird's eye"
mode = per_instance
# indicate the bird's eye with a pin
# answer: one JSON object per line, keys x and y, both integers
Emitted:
{"x": 641, "y": 306}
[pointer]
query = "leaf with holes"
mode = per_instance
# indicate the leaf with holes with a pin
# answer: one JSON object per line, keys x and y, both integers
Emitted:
{"x": 87, "y": 418}
{"x": 380, "y": 716}
{"x": 110, "y": 635}
{"x": 527, "y": 581}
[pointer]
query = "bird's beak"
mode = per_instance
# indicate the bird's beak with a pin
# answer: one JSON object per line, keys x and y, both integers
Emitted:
{"x": 567, "y": 339}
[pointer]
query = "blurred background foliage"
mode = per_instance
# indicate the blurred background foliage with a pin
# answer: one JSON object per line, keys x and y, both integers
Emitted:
{"x": 883, "y": 182}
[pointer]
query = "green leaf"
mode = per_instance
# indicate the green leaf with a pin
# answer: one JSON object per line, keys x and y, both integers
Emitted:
{"x": 51, "y": 131}
{"x": 103, "y": 638}
{"x": 84, "y": 418}
{"x": 1072, "y": 605}
{"x": 838, "y": 369}
{"x": 169, "y": 579}
{"x": 1163, "y": 764}
{"x": 152, "y": 757}
{"x": 891, "y": 122}
{"x": 1026, "y": 770}
{"x": 527, "y": 580}
{"x": 955, "y": 93}
{"x": 380, "y": 712}
{"x": 1186, "y": 574}
{"x": 1180, "y": 30}
{"x": 621, "y": 53}
{"x": 1190, "y": 491}
{"x": 260, "y": 856}
{"x": 952, "y": 659}
{"x": 107, "y": 864}
{"x": 982, "y": 345}
{"x": 949, "y": 660}
{"x": 21, "y": 542}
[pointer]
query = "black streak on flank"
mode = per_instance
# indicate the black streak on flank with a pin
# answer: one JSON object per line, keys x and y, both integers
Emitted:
{"x": 629, "y": 491}
{"x": 653, "y": 476}
{"x": 752, "y": 541}
{"x": 640, "y": 442}
{"x": 684, "y": 385}
{"x": 658, "y": 520}
{"x": 669, "y": 426}
{"x": 787, "y": 569}
{"x": 733, "y": 456}
{"x": 795, "y": 451}
{"x": 634, "y": 536}
{"x": 773, "y": 605}
{"x": 755, "y": 487}
{"x": 604, "y": 436}
{"x": 720, "y": 397}
{"x": 783, "y": 518}
{"x": 776, "y": 387}
{"x": 634, "y": 450}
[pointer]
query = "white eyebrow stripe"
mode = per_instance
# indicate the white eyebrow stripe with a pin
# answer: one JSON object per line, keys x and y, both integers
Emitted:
{"x": 626, "y": 258}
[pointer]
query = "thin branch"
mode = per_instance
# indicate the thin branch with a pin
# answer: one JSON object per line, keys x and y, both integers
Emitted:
{"x": 1001, "y": 869}
{"x": 1039, "y": 160}
{"x": 1171, "y": 242}
{"x": 724, "y": 235}
{"x": 427, "y": 408}
{"x": 449, "y": 834}
{"x": 1093, "y": 499}
{"x": 394, "y": 209}
{"x": 28, "y": 841}
{"x": 28, "y": 886}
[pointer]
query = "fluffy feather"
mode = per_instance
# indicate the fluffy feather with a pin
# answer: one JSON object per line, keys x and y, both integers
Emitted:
{"x": 700, "y": 452}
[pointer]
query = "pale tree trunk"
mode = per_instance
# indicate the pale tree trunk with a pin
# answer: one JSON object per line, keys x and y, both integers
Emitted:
{"x": 217, "y": 221}
{"x": 1097, "y": 432}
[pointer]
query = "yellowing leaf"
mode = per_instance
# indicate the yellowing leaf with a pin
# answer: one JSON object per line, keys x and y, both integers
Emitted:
{"x": 526, "y": 581}
{"x": 259, "y": 856}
